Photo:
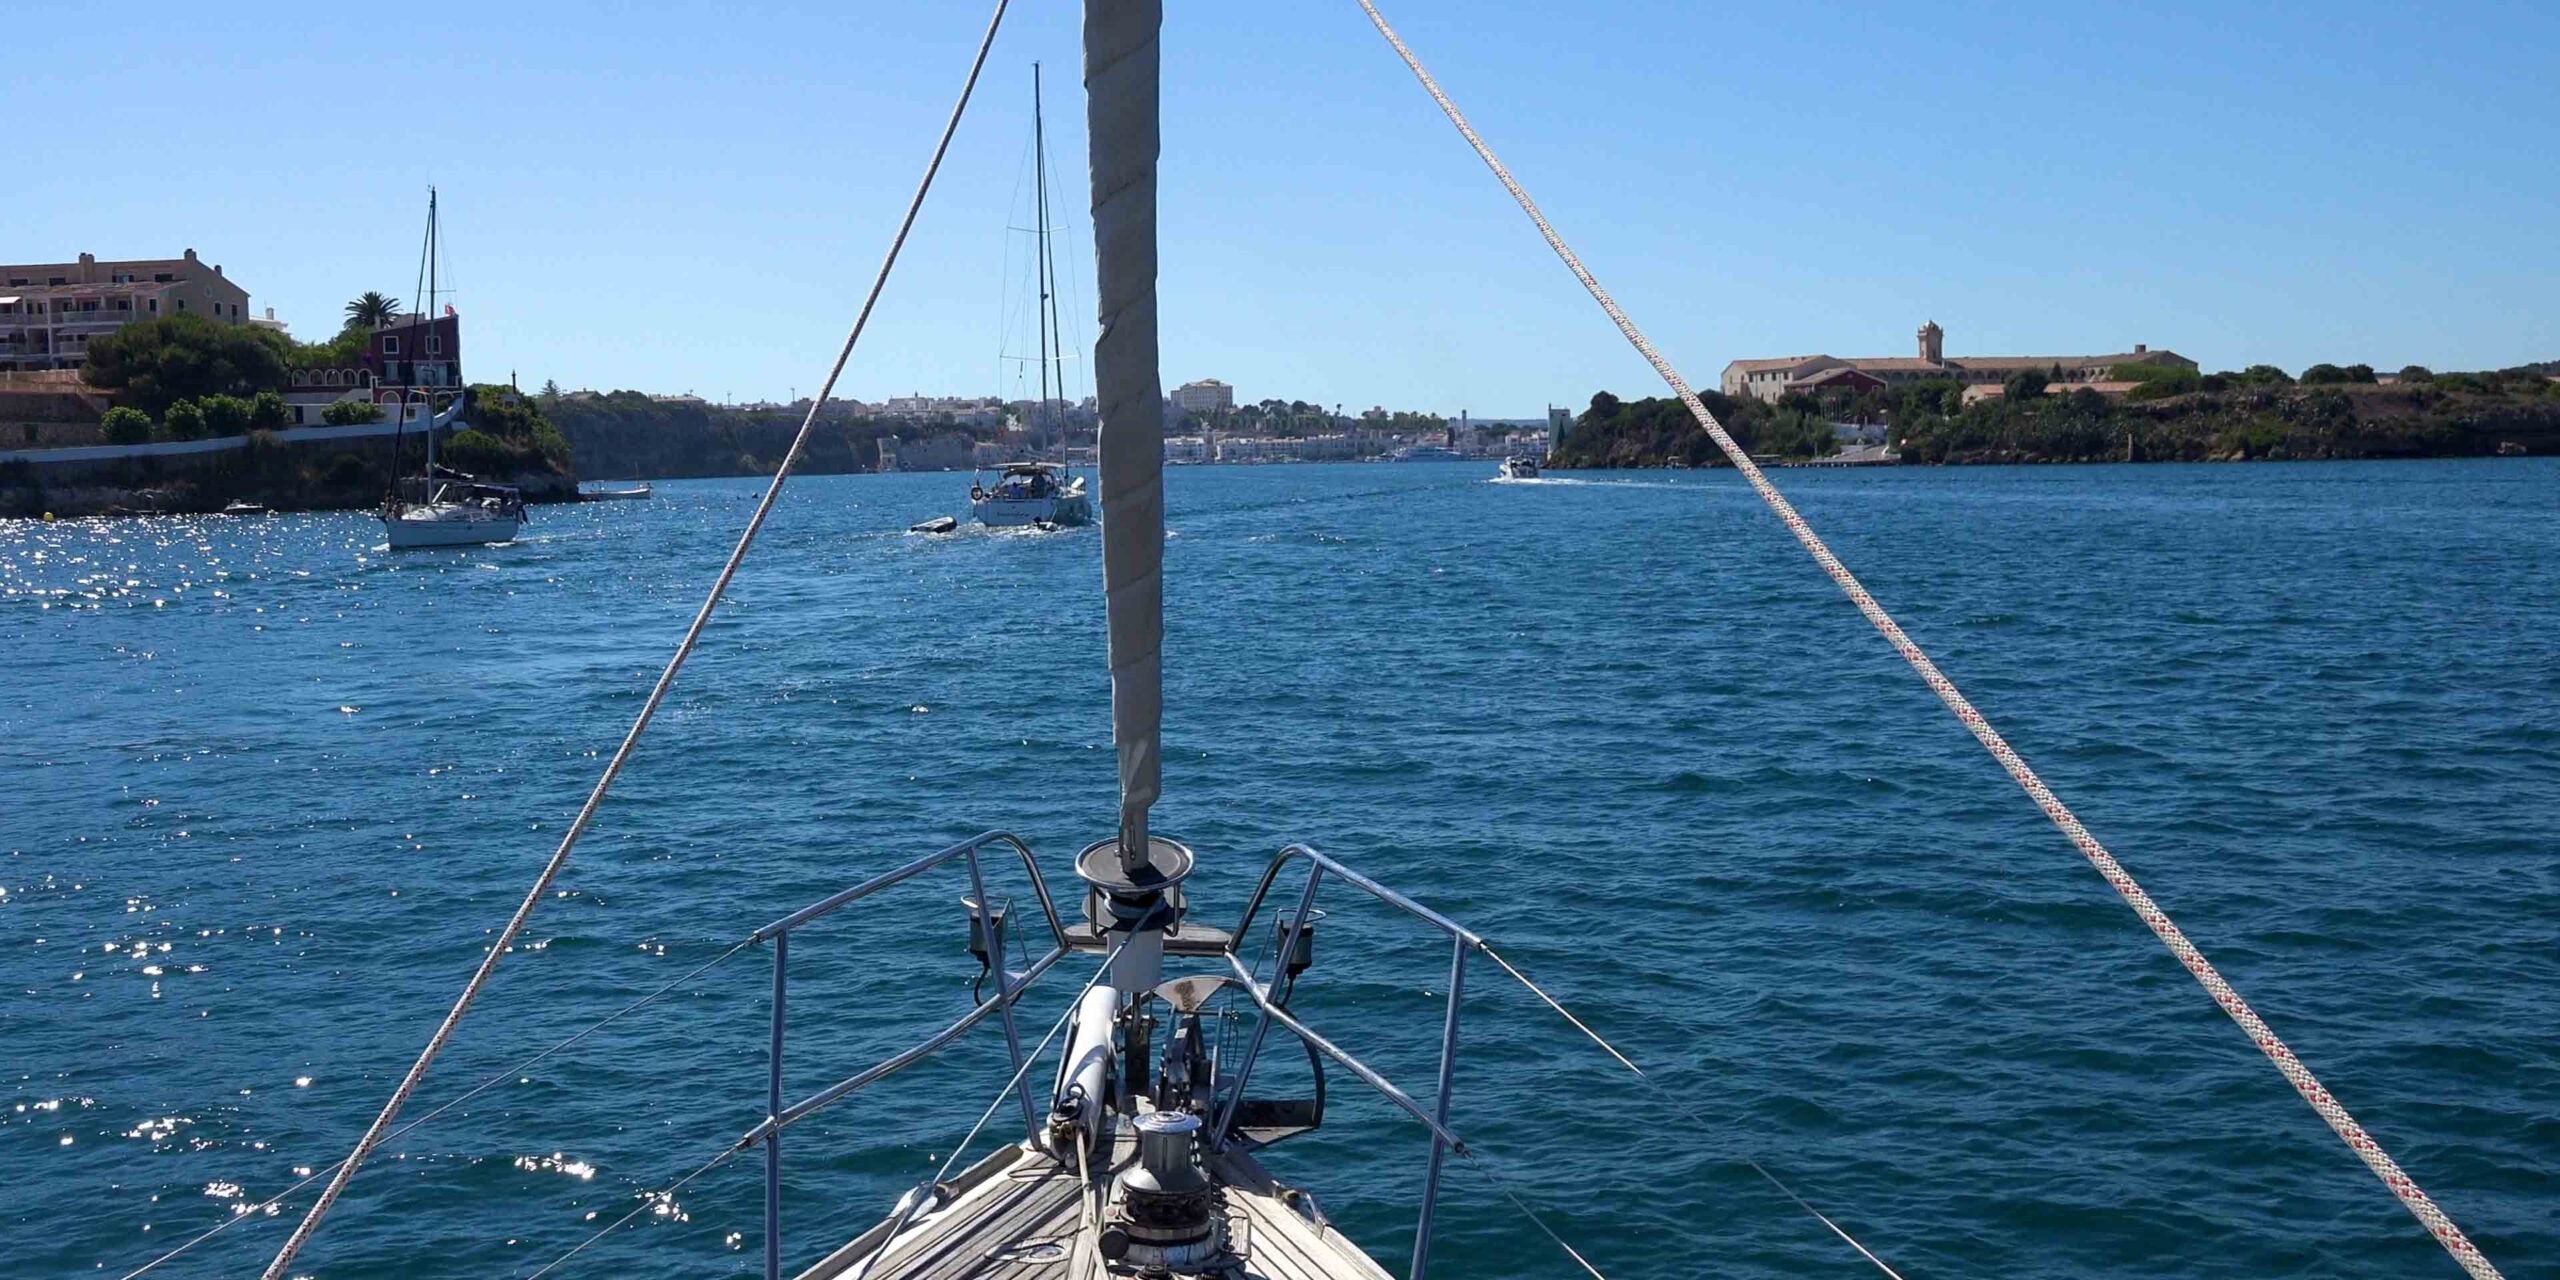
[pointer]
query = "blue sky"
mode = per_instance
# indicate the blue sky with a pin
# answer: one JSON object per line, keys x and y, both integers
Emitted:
{"x": 649, "y": 195}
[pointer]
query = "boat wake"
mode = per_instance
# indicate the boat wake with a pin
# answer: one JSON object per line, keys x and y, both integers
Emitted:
{"x": 1586, "y": 483}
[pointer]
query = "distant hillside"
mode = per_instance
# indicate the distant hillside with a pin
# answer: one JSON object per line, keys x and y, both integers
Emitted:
{"x": 2332, "y": 412}
{"x": 630, "y": 435}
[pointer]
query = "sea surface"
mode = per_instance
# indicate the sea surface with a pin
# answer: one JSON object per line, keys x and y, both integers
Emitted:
{"x": 266, "y": 791}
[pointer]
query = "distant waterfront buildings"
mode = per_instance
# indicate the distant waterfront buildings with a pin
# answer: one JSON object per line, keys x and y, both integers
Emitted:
{"x": 49, "y": 311}
{"x": 1771, "y": 380}
{"x": 1208, "y": 395}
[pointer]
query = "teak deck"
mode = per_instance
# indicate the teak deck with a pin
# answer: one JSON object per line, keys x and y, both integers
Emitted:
{"x": 1017, "y": 1215}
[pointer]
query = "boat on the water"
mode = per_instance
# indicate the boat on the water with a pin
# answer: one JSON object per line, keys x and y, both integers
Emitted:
{"x": 244, "y": 507}
{"x": 614, "y": 493}
{"x": 1423, "y": 453}
{"x": 1023, "y": 494}
{"x": 1138, "y": 1153}
{"x": 1517, "y": 468}
{"x": 440, "y": 507}
{"x": 452, "y": 509}
{"x": 1037, "y": 494}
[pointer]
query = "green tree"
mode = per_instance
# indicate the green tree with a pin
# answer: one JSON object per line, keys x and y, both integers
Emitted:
{"x": 2026, "y": 386}
{"x": 267, "y": 411}
{"x": 165, "y": 359}
{"x": 126, "y": 425}
{"x": 2332, "y": 375}
{"x": 183, "y": 421}
{"x": 372, "y": 311}
{"x": 225, "y": 415}
{"x": 550, "y": 392}
{"x": 2416, "y": 373}
{"x": 348, "y": 413}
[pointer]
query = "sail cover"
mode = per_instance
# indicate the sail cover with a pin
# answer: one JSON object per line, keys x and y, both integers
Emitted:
{"x": 1120, "y": 79}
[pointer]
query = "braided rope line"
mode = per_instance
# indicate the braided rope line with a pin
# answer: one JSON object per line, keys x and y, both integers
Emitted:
{"x": 2295, "y": 1073}
{"x": 505, "y": 941}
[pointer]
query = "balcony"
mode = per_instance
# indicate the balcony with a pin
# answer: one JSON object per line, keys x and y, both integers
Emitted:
{"x": 100, "y": 319}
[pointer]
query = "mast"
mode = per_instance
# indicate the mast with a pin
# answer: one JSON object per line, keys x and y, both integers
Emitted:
{"x": 1041, "y": 312}
{"x": 1057, "y": 334}
{"x": 1121, "y": 74}
{"x": 430, "y": 314}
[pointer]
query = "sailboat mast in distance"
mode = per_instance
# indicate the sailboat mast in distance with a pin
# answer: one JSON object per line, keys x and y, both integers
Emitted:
{"x": 1040, "y": 261}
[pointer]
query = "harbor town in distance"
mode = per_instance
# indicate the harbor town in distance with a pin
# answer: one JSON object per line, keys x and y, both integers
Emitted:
{"x": 148, "y": 385}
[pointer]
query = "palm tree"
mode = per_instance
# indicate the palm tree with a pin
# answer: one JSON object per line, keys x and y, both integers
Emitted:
{"x": 373, "y": 310}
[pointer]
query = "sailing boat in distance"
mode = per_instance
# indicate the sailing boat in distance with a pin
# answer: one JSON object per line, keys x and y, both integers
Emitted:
{"x": 422, "y": 363}
{"x": 1040, "y": 494}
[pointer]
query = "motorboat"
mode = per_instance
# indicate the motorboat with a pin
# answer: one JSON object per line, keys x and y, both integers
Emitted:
{"x": 1517, "y": 468}
{"x": 244, "y": 507}
{"x": 1024, "y": 494}
{"x": 615, "y": 493}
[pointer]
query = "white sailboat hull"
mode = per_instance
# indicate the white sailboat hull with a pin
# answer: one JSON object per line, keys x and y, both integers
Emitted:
{"x": 1015, "y": 513}
{"x": 441, "y": 524}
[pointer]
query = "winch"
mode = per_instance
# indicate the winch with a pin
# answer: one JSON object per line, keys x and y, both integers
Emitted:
{"x": 1166, "y": 1216}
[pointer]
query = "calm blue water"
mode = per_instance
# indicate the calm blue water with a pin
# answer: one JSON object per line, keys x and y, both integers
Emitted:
{"x": 268, "y": 791}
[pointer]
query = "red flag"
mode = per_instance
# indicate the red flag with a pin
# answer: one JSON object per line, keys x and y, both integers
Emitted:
{"x": 448, "y": 309}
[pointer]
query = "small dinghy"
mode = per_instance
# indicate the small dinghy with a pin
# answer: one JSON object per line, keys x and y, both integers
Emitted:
{"x": 938, "y": 524}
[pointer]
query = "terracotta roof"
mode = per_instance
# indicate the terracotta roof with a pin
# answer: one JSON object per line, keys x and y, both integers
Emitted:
{"x": 1820, "y": 376}
{"x": 1900, "y": 362}
{"x": 1783, "y": 362}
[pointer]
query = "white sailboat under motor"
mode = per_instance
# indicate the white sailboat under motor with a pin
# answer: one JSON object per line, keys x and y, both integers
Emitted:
{"x": 1139, "y": 1156}
{"x": 1030, "y": 493}
{"x": 1037, "y": 494}
{"x": 440, "y": 507}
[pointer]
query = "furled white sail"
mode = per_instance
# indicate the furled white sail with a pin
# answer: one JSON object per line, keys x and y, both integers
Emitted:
{"x": 1120, "y": 78}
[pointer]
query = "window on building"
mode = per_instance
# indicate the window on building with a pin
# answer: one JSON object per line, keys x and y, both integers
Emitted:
{"x": 17, "y": 280}
{"x": 390, "y": 345}
{"x": 182, "y": 304}
{"x": 155, "y": 306}
{"x": 57, "y": 280}
{"x": 124, "y": 304}
{"x": 435, "y": 344}
{"x": 161, "y": 277}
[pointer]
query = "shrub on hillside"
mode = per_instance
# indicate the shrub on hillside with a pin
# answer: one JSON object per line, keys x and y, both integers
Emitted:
{"x": 165, "y": 359}
{"x": 183, "y": 421}
{"x": 348, "y": 413}
{"x": 125, "y": 424}
{"x": 225, "y": 415}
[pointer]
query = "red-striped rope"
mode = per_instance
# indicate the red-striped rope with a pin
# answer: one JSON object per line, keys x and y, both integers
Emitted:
{"x": 2296, "y": 1074}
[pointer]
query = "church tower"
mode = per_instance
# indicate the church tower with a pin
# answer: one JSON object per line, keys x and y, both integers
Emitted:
{"x": 1933, "y": 343}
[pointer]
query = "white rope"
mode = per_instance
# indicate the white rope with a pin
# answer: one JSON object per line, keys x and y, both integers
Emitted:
{"x": 373, "y": 1133}
{"x": 1682, "y": 1105}
{"x": 467, "y": 1095}
{"x": 2296, "y": 1074}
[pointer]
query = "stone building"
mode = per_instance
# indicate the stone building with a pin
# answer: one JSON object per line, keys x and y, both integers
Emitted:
{"x": 1770, "y": 380}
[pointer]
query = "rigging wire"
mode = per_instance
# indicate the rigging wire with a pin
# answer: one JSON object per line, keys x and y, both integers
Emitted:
{"x": 648, "y": 1200}
{"x": 1682, "y": 1106}
{"x": 2295, "y": 1073}
{"x": 373, "y": 1134}
{"x": 906, "y": 1213}
{"x": 467, "y": 1095}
